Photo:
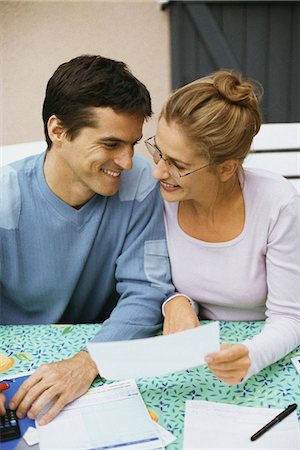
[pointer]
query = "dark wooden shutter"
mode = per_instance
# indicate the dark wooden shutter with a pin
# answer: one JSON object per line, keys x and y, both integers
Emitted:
{"x": 259, "y": 39}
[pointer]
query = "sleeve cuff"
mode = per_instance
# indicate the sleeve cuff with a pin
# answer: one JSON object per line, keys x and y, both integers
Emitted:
{"x": 253, "y": 369}
{"x": 193, "y": 304}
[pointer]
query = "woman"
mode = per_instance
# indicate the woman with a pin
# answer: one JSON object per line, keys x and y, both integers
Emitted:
{"x": 232, "y": 233}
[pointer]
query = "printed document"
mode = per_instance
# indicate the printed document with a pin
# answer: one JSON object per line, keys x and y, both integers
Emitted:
{"x": 211, "y": 425}
{"x": 113, "y": 416}
{"x": 155, "y": 356}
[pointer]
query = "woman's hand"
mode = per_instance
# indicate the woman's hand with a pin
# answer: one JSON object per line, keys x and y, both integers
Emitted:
{"x": 231, "y": 364}
{"x": 179, "y": 316}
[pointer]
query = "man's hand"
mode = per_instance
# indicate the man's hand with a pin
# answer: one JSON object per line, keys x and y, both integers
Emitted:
{"x": 57, "y": 383}
{"x": 2, "y": 404}
{"x": 179, "y": 316}
{"x": 231, "y": 364}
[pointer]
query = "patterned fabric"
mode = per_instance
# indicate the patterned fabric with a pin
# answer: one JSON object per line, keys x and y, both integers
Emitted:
{"x": 24, "y": 348}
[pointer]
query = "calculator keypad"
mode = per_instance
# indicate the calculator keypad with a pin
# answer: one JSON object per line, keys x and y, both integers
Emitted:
{"x": 9, "y": 426}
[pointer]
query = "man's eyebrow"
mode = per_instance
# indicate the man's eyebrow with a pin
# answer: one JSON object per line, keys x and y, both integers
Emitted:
{"x": 110, "y": 139}
{"x": 115, "y": 139}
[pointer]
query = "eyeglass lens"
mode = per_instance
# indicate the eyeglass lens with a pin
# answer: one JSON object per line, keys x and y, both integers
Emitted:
{"x": 157, "y": 156}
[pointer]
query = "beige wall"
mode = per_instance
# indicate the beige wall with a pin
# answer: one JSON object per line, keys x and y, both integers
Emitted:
{"x": 38, "y": 36}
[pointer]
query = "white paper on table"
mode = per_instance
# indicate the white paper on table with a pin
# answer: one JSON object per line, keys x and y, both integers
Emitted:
{"x": 155, "y": 356}
{"x": 217, "y": 426}
{"x": 31, "y": 436}
{"x": 112, "y": 416}
{"x": 11, "y": 376}
{"x": 165, "y": 436}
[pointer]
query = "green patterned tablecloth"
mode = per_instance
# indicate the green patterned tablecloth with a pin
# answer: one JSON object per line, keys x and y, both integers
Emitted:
{"x": 24, "y": 348}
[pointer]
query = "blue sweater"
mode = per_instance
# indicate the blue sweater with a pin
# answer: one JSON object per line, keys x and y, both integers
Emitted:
{"x": 59, "y": 264}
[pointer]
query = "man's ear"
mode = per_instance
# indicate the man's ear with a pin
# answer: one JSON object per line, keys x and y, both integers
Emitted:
{"x": 55, "y": 130}
{"x": 227, "y": 169}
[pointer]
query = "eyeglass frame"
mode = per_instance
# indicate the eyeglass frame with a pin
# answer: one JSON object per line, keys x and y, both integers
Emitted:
{"x": 152, "y": 149}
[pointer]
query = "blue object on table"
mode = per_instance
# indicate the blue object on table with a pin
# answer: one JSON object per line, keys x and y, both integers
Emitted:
{"x": 14, "y": 384}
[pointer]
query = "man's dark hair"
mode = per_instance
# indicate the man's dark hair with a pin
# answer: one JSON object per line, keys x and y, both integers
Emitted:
{"x": 88, "y": 81}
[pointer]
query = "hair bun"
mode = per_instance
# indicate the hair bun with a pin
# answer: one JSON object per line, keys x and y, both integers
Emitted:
{"x": 233, "y": 88}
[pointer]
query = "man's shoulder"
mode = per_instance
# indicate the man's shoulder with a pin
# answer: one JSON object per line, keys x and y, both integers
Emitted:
{"x": 11, "y": 188}
{"x": 22, "y": 165}
{"x": 10, "y": 204}
{"x": 137, "y": 183}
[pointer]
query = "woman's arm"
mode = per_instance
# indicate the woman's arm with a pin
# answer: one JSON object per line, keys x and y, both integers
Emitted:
{"x": 180, "y": 314}
{"x": 281, "y": 333}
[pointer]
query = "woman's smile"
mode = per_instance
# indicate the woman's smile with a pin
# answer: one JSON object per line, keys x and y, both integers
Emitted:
{"x": 169, "y": 187}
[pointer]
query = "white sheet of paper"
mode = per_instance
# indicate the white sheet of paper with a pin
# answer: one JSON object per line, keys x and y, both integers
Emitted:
{"x": 31, "y": 436}
{"x": 217, "y": 426}
{"x": 165, "y": 436}
{"x": 155, "y": 356}
{"x": 112, "y": 416}
{"x": 10, "y": 376}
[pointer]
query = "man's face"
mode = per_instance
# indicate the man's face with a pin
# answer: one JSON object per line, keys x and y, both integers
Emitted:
{"x": 94, "y": 160}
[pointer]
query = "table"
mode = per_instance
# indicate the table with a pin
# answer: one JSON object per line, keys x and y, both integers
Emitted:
{"x": 24, "y": 347}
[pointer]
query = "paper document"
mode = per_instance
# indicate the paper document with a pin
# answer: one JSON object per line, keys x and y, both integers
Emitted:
{"x": 113, "y": 416}
{"x": 210, "y": 425}
{"x": 155, "y": 356}
{"x": 165, "y": 436}
{"x": 12, "y": 375}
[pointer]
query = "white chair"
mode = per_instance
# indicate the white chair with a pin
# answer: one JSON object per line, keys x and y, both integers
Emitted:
{"x": 277, "y": 148}
{"x": 13, "y": 152}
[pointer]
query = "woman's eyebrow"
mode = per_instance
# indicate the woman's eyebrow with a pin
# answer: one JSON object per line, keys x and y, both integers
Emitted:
{"x": 170, "y": 158}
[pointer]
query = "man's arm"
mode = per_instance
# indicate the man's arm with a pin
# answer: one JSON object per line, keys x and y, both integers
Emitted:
{"x": 142, "y": 271}
{"x": 143, "y": 282}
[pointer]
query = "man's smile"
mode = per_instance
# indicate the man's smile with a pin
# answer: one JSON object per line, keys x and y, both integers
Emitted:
{"x": 112, "y": 173}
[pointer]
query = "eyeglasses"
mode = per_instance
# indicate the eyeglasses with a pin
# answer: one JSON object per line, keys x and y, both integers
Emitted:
{"x": 172, "y": 169}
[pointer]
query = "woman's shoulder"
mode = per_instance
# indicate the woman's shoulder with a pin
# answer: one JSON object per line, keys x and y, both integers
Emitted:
{"x": 269, "y": 185}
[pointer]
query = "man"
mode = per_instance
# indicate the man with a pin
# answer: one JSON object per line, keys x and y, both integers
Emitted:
{"x": 80, "y": 232}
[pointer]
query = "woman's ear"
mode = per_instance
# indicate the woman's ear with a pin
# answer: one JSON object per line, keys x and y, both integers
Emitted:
{"x": 55, "y": 130}
{"x": 227, "y": 169}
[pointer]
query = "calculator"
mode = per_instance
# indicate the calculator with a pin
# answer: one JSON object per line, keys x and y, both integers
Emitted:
{"x": 9, "y": 426}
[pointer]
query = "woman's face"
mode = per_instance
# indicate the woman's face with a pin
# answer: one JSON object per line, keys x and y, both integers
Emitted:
{"x": 176, "y": 149}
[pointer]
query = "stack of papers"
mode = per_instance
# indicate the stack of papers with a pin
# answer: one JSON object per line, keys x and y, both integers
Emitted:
{"x": 113, "y": 416}
{"x": 210, "y": 425}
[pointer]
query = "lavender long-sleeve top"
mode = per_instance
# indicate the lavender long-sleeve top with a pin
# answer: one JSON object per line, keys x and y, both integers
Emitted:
{"x": 255, "y": 276}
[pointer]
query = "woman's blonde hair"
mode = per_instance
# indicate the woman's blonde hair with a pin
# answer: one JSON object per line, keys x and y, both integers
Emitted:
{"x": 219, "y": 115}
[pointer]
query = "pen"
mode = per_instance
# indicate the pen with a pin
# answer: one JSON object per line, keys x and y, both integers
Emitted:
{"x": 274, "y": 421}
